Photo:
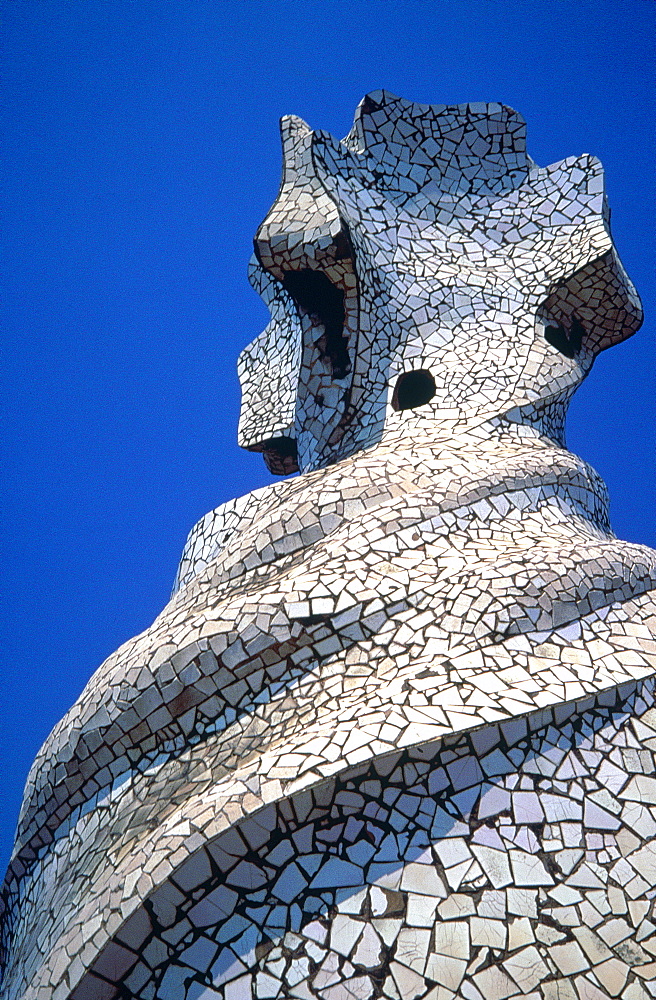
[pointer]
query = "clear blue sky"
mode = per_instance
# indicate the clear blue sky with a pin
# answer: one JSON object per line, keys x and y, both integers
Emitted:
{"x": 142, "y": 153}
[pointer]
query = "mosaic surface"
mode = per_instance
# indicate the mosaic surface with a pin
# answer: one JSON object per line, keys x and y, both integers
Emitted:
{"x": 394, "y": 734}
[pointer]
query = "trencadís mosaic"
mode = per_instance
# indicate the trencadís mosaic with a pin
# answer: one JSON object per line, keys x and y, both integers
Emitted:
{"x": 394, "y": 734}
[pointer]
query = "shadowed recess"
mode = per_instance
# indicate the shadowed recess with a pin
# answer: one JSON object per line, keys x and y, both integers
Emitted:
{"x": 316, "y": 295}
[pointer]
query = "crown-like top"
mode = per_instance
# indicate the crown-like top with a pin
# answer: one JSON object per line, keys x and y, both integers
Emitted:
{"x": 460, "y": 149}
{"x": 426, "y": 240}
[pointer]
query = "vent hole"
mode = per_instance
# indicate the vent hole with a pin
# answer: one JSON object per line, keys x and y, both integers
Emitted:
{"x": 280, "y": 456}
{"x": 568, "y": 342}
{"x": 413, "y": 389}
{"x": 316, "y": 295}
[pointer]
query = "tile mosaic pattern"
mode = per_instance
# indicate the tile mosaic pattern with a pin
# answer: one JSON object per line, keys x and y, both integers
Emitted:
{"x": 516, "y": 860}
{"x": 394, "y": 734}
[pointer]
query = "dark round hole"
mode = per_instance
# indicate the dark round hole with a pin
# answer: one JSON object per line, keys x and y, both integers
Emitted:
{"x": 413, "y": 389}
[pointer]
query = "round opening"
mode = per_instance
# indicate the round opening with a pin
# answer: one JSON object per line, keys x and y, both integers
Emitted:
{"x": 413, "y": 389}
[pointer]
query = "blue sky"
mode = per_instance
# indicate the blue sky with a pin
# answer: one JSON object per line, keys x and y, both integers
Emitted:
{"x": 142, "y": 153}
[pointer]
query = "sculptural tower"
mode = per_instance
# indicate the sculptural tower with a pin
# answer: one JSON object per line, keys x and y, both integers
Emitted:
{"x": 393, "y": 735}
